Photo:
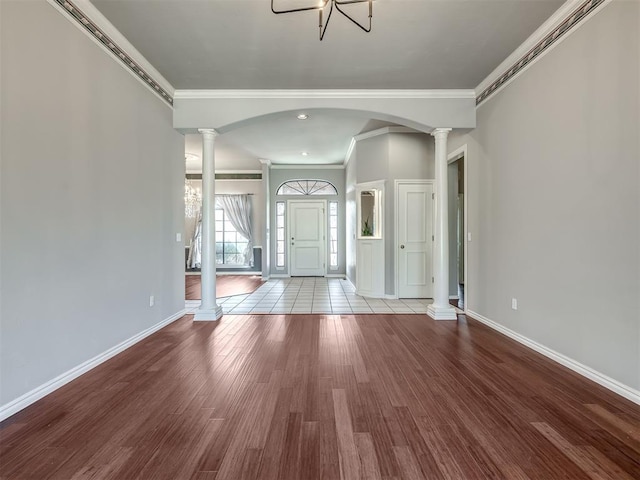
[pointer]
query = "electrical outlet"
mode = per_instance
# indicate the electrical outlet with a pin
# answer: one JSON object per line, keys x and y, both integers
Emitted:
{"x": 178, "y": 237}
{"x": 152, "y": 301}
{"x": 514, "y": 303}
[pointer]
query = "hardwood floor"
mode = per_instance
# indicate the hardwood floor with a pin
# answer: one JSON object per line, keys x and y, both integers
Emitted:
{"x": 226, "y": 285}
{"x": 327, "y": 397}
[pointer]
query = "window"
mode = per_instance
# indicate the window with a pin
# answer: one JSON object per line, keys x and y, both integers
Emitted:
{"x": 230, "y": 245}
{"x": 306, "y": 187}
{"x": 333, "y": 235}
{"x": 280, "y": 209}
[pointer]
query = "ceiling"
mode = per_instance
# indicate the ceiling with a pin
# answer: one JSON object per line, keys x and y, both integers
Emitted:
{"x": 241, "y": 44}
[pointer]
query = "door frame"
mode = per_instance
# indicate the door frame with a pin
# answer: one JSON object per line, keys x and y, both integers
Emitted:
{"x": 461, "y": 154}
{"x": 396, "y": 221}
{"x": 324, "y": 232}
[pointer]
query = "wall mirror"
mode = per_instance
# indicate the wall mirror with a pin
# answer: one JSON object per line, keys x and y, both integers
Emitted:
{"x": 369, "y": 211}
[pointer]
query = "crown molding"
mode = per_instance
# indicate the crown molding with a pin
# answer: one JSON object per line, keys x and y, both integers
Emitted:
{"x": 374, "y": 133}
{"x": 384, "y": 131}
{"x": 352, "y": 145}
{"x": 279, "y": 94}
{"x": 240, "y": 172}
{"x": 287, "y": 166}
{"x": 567, "y": 19}
{"x": 84, "y": 15}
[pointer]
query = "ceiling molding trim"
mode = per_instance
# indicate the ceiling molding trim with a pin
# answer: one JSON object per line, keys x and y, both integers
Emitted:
{"x": 226, "y": 171}
{"x": 287, "y": 166}
{"x": 375, "y": 133}
{"x": 565, "y": 20}
{"x": 89, "y": 19}
{"x": 347, "y": 156}
{"x": 384, "y": 131}
{"x": 228, "y": 175}
{"x": 235, "y": 94}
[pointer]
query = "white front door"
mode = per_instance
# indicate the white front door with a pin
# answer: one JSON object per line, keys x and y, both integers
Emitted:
{"x": 306, "y": 238}
{"x": 415, "y": 240}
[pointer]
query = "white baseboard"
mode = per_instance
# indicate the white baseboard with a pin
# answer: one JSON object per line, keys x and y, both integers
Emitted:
{"x": 615, "y": 386}
{"x": 256, "y": 273}
{"x": 46, "y": 388}
{"x": 280, "y": 275}
{"x": 454, "y": 297}
{"x": 233, "y": 272}
{"x": 335, "y": 275}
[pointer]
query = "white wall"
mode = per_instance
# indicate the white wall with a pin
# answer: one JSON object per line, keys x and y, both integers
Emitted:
{"x": 91, "y": 200}
{"x": 554, "y": 198}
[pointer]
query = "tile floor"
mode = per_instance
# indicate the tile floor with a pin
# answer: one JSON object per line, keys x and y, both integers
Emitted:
{"x": 311, "y": 295}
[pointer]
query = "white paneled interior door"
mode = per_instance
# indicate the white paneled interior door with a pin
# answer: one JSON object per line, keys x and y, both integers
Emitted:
{"x": 415, "y": 240}
{"x": 307, "y": 238}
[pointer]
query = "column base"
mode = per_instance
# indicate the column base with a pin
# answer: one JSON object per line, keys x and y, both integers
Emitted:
{"x": 208, "y": 314}
{"x": 441, "y": 313}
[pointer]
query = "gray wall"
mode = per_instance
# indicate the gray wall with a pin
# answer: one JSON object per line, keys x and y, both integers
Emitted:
{"x": 389, "y": 157}
{"x": 91, "y": 201}
{"x": 336, "y": 176}
{"x": 554, "y": 198}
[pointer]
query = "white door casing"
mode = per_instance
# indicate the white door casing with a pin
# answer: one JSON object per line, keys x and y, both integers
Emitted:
{"x": 307, "y": 240}
{"x": 414, "y": 239}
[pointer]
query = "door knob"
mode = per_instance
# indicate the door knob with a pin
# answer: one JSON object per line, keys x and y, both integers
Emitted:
{"x": 401, "y": 246}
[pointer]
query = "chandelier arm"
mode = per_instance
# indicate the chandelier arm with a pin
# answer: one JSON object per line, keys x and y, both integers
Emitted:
{"x": 304, "y": 9}
{"x": 326, "y": 23}
{"x": 338, "y": 3}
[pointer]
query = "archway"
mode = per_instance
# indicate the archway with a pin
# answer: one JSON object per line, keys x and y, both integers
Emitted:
{"x": 425, "y": 113}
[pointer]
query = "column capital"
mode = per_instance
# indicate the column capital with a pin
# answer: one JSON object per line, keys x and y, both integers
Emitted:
{"x": 208, "y": 132}
{"x": 441, "y": 131}
{"x": 265, "y": 161}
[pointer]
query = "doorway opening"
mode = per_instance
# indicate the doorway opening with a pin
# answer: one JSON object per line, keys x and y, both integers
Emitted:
{"x": 457, "y": 203}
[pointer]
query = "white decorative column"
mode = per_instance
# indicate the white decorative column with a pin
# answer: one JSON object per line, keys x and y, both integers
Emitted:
{"x": 441, "y": 309}
{"x": 209, "y": 310}
{"x": 266, "y": 232}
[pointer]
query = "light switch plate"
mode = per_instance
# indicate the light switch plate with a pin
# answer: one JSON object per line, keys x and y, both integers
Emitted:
{"x": 178, "y": 237}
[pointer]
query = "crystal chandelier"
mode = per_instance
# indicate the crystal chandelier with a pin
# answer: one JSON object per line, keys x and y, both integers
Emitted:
{"x": 324, "y": 5}
{"x": 192, "y": 199}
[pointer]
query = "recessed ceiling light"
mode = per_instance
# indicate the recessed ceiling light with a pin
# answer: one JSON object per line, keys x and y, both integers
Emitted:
{"x": 303, "y": 116}
{"x": 304, "y": 154}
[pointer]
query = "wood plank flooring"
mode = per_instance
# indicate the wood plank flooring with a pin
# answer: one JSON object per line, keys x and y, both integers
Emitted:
{"x": 226, "y": 285}
{"x": 326, "y": 397}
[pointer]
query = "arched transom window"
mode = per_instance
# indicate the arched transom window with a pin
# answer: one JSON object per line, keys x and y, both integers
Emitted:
{"x": 306, "y": 187}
